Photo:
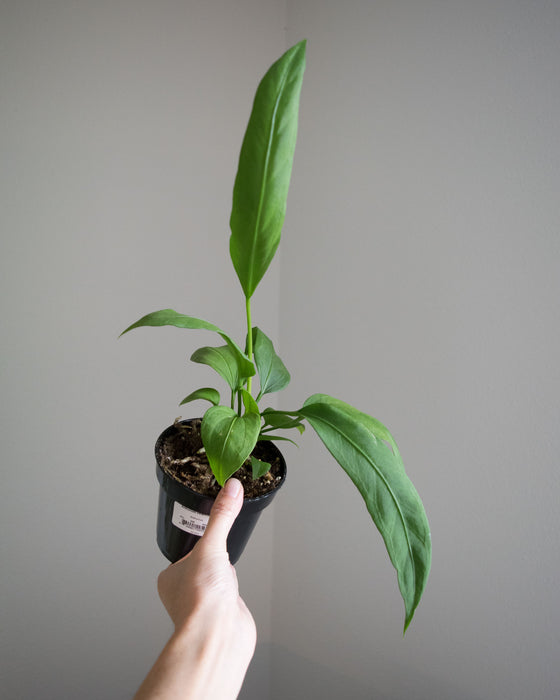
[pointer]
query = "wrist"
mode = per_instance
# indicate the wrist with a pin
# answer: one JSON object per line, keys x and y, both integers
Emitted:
{"x": 214, "y": 649}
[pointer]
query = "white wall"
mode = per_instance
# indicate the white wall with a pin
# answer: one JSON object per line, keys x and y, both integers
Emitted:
{"x": 423, "y": 215}
{"x": 121, "y": 127}
{"x": 421, "y": 282}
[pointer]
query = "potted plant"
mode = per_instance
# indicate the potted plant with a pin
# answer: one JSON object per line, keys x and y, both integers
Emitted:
{"x": 236, "y": 437}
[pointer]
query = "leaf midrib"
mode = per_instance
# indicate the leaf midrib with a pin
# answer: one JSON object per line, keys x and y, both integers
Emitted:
{"x": 265, "y": 178}
{"x": 225, "y": 441}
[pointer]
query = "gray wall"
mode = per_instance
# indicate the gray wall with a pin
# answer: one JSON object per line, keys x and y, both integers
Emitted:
{"x": 418, "y": 279}
{"x": 121, "y": 127}
{"x": 421, "y": 282}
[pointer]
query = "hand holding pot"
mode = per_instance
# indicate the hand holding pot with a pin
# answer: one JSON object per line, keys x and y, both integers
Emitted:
{"x": 215, "y": 635}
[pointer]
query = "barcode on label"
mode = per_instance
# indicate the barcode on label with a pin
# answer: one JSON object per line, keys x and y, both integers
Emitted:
{"x": 191, "y": 525}
{"x": 189, "y": 520}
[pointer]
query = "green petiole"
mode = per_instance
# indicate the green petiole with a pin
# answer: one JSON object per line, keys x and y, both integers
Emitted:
{"x": 249, "y": 339}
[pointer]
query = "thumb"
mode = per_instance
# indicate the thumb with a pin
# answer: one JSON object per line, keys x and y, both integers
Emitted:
{"x": 222, "y": 516}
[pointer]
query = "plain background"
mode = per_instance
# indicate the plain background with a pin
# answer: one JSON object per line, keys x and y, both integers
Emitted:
{"x": 418, "y": 278}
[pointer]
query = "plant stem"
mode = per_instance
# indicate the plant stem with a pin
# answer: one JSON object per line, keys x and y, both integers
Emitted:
{"x": 249, "y": 339}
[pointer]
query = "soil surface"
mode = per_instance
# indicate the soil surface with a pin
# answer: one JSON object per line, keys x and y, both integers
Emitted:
{"x": 182, "y": 456}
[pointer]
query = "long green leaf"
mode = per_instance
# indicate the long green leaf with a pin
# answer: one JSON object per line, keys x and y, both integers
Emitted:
{"x": 358, "y": 443}
{"x": 265, "y": 165}
{"x": 169, "y": 317}
{"x": 228, "y": 439}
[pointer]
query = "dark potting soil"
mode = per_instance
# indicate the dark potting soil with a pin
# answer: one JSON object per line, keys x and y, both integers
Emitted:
{"x": 182, "y": 456}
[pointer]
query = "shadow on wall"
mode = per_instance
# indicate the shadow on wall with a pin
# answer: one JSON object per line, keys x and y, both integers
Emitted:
{"x": 297, "y": 678}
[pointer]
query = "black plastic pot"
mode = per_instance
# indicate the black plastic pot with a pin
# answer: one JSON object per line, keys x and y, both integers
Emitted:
{"x": 183, "y": 513}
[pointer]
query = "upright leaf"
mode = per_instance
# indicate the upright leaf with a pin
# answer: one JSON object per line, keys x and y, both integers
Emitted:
{"x": 228, "y": 439}
{"x": 249, "y": 403}
{"x": 265, "y": 166}
{"x": 273, "y": 375}
{"x": 259, "y": 468}
{"x": 357, "y": 442}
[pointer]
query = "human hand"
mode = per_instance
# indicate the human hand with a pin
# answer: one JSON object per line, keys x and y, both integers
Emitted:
{"x": 215, "y": 634}
{"x": 204, "y": 583}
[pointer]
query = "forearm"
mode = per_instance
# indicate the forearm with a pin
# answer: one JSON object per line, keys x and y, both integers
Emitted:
{"x": 199, "y": 664}
{"x": 215, "y": 634}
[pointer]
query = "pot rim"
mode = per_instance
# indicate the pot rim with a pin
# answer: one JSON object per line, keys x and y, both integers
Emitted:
{"x": 162, "y": 474}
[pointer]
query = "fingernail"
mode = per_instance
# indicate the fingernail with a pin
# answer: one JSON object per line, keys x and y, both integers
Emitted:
{"x": 233, "y": 488}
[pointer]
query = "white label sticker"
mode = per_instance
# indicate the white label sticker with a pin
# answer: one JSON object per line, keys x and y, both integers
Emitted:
{"x": 189, "y": 520}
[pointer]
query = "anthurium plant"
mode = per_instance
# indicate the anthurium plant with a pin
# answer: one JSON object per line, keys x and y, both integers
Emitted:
{"x": 360, "y": 444}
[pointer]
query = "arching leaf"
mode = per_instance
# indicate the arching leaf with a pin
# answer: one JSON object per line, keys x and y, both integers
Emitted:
{"x": 169, "y": 317}
{"x": 358, "y": 443}
{"x": 206, "y": 393}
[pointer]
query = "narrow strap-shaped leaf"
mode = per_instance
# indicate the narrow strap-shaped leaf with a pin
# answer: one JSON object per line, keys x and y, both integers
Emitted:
{"x": 169, "y": 317}
{"x": 357, "y": 442}
{"x": 265, "y": 166}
